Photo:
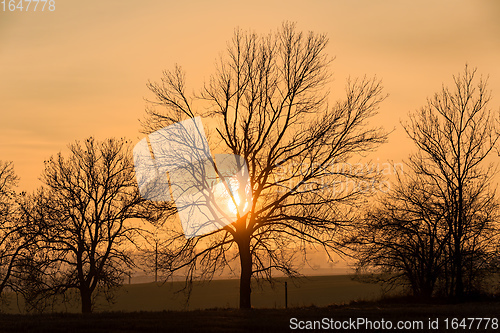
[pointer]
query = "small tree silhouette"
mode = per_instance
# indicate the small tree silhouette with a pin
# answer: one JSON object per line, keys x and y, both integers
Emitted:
{"x": 14, "y": 239}
{"x": 81, "y": 218}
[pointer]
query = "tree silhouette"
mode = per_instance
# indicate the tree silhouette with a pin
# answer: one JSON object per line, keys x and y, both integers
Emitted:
{"x": 14, "y": 240}
{"x": 438, "y": 226}
{"x": 402, "y": 240}
{"x": 269, "y": 104}
{"x": 81, "y": 220}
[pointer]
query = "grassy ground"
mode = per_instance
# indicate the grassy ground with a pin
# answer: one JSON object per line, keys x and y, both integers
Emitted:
{"x": 157, "y": 308}
{"x": 317, "y": 290}
{"x": 256, "y": 320}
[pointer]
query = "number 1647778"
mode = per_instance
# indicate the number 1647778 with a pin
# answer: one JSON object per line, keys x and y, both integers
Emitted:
{"x": 28, "y": 5}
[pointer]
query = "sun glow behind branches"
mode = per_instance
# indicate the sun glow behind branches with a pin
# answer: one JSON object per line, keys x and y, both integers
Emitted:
{"x": 234, "y": 203}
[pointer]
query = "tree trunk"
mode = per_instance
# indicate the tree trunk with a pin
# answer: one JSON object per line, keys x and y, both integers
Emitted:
{"x": 86, "y": 297}
{"x": 246, "y": 273}
{"x": 426, "y": 291}
{"x": 459, "y": 291}
{"x": 459, "y": 286}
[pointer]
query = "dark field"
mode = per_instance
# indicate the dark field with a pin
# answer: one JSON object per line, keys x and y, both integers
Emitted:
{"x": 315, "y": 290}
{"x": 157, "y": 308}
{"x": 256, "y": 320}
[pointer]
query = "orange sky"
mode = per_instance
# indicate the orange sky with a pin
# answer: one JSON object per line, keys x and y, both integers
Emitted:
{"x": 82, "y": 69}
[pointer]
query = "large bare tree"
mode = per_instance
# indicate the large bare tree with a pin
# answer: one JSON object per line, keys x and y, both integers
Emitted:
{"x": 81, "y": 218}
{"x": 268, "y": 101}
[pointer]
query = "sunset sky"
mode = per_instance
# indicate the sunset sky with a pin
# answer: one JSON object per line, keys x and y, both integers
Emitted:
{"x": 82, "y": 69}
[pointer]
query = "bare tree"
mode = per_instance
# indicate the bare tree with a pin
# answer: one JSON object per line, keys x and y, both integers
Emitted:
{"x": 82, "y": 215}
{"x": 402, "y": 240}
{"x": 13, "y": 238}
{"x": 438, "y": 226}
{"x": 455, "y": 132}
{"x": 269, "y": 102}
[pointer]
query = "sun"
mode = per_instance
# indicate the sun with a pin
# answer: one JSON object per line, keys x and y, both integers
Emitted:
{"x": 233, "y": 203}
